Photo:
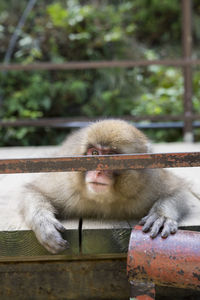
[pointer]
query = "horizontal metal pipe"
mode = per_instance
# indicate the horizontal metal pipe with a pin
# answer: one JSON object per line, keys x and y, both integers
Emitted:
{"x": 79, "y": 122}
{"x": 165, "y": 125}
{"x": 101, "y": 162}
{"x": 81, "y": 65}
{"x": 174, "y": 261}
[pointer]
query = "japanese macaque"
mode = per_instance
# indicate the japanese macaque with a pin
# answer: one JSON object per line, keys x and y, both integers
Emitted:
{"x": 155, "y": 195}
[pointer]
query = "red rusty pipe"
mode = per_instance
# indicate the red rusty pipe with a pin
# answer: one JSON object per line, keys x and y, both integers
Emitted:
{"x": 174, "y": 261}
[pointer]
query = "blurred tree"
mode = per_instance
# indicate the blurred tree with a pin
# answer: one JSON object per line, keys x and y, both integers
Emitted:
{"x": 74, "y": 30}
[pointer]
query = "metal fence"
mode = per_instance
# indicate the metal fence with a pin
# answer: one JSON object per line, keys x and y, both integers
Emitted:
{"x": 186, "y": 62}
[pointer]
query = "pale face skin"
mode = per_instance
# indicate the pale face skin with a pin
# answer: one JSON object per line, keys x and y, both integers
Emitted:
{"x": 99, "y": 182}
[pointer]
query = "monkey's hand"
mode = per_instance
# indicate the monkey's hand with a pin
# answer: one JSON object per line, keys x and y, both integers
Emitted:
{"x": 48, "y": 232}
{"x": 156, "y": 223}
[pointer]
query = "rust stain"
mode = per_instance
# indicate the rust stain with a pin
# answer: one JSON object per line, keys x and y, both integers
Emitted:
{"x": 197, "y": 276}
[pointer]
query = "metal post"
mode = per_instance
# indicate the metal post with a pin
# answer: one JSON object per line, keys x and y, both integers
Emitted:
{"x": 142, "y": 290}
{"x": 187, "y": 69}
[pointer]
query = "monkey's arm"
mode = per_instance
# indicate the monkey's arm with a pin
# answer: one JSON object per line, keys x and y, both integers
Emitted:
{"x": 39, "y": 213}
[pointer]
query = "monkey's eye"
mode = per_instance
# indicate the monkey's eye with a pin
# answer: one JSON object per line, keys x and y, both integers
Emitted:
{"x": 92, "y": 151}
{"x": 95, "y": 152}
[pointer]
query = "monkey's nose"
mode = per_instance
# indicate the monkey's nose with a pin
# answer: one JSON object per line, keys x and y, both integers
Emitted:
{"x": 107, "y": 173}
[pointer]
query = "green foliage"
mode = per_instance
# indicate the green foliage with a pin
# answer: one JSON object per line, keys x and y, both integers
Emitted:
{"x": 78, "y": 30}
{"x": 152, "y": 22}
{"x": 164, "y": 94}
{"x": 196, "y": 90}
{"x": 59, "y": 16}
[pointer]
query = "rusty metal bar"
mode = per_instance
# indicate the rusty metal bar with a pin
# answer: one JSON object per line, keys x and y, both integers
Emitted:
{"x": 101, "y": 162}
{"x": 82, "y": 65}
{"x": 187, "y": 69}
{"x": 81, "y": 122}
{"x": 59, "y": 121}
{"x": 49, "y": 122}
{"x": 173, "y": 262}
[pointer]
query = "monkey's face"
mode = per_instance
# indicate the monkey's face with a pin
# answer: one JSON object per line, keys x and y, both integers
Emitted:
{"x": 99, "y": 182}
{"x": 106, "y": 138}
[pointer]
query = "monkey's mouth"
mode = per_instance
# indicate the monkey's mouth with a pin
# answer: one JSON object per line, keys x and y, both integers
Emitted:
{"x": 98, "y": 187}
{"x": 98, "y": 183}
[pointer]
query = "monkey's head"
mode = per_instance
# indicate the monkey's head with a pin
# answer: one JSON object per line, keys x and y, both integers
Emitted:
{"x": 110, "y": 137}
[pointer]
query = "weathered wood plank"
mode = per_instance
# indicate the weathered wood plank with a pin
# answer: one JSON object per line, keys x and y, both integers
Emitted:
{"x": 104, "y": 236}
{"x": 96, "y": 238}
{"x": 24, "y": 244}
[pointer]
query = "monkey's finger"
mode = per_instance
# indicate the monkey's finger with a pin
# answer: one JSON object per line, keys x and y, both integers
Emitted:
{"x": 60, "y": 242}
{"x": 143, "y": 220}
{"x": 54, "y": 249}
{"x": 60, "y": 227}
{"x": 149, "y": 222}
{"x": 63, "y": 243}
{"x": 56, "y": 244}
{"x": 174, "y": 227}
{"x": 157, "y": 226}
{"x": 170, "y": 226}
{"x": 51, "y": 238}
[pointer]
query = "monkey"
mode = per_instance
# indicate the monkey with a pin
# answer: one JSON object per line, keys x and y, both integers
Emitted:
{"x": 156, "y": 196}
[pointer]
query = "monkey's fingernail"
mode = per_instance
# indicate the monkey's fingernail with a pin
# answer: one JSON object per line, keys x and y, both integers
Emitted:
{"x": 63, "y": 229}
{"x": 60, "y": 228}
{"x": 154, "y": 233}
{"x": 145, "y": 229}
{"x": 67, "y": 245}
{"x": 141, "y": 222}
{"x": 164, "y": 235}
{"x": 153, "y": 236}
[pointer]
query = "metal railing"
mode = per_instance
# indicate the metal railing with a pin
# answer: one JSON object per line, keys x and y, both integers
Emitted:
{"x": 100, "y": 162}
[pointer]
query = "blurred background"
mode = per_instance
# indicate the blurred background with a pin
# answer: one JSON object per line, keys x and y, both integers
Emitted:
{"x": 61, "y": 31}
